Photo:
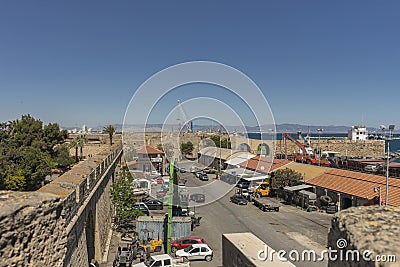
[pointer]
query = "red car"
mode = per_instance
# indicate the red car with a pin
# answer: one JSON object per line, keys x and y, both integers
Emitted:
{"x": 185, "y": 242}
{"x": 160, "y": 181}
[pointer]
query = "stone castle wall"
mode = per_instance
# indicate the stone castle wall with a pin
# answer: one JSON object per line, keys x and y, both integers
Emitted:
{"x": 368, "y": 148}
{"x": 66, "y": 222}
{"x": 32, "y": 229}
{"x": 361, "y": 230}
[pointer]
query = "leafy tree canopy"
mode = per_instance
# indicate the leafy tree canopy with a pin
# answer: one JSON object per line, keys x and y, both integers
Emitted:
{"x": 286, "y": 177}
{"x": 187, "y": 148}
{"x": 123, "y": 197}
{"x": 29, "y": 151}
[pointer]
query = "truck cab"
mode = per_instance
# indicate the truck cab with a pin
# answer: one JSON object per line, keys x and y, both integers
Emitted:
{"x": 262, "y": 190}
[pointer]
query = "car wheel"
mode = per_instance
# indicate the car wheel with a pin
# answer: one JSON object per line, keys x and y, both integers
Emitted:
{"x": 173, "y": 249}
{"x": 208, "y": 258}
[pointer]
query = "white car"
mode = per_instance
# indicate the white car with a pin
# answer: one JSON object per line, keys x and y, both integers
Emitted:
{"x": 196, "y": 252}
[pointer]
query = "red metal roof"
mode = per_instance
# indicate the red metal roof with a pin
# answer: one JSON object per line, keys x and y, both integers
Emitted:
{"x": 148, "y": 150}
{"x": 358, "y": 184}
{"x": 264, "y": 164}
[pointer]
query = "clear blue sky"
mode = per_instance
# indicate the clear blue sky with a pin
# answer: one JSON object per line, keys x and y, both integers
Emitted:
{"x": 317, "y": 62}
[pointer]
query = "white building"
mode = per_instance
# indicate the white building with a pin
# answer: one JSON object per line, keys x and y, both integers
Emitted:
{"x": 358, "y": 133}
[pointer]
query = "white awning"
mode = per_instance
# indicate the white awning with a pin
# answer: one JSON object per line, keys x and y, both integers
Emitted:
{"x": 239, "y": 159}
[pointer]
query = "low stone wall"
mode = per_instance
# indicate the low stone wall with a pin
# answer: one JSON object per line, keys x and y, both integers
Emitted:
{"x": 371, "y": 230}
{"x": 32, "y": 231}
{"x": 368, "y": 148}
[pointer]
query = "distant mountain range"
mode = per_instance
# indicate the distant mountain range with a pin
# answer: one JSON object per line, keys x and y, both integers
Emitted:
{"x": 280, "y": 128}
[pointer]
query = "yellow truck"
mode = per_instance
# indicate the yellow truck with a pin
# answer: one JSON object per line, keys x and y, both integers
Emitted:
{"x": 262, "y": 190}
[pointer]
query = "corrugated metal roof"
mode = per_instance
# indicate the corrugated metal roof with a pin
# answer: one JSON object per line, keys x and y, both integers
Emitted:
{"x": 297, "y": 187}
{"x": 358, "y": 184}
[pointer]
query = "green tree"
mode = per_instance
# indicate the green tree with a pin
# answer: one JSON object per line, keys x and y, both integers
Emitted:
{"x": 81, "y": 141}
{"x": 62, "y": 158}
{"x": 285, "y": 177}
{"x": 28, "y": 152}
{"x": 110, "y": 130}
{"x": 187, "y": 148}
{"x": 123, "y": 197}
{"x": 225, "y": 143}
{"x": 75, "y": 144}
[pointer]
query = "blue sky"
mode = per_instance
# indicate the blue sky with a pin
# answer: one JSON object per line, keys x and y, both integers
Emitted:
{"x": 317, "y": 62}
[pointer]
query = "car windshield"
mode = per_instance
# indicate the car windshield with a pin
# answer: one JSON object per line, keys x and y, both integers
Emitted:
{"x": 188, "y": 249}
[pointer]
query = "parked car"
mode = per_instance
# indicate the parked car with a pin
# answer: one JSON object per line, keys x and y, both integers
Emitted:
{"x": 240, "y": 200}
{"x": 185, "y": 242}
{"x": 198, "y": 173}
{"x": 160, "y": 180}
{"x": 194, "y": 169}
{"x": 196, "y": 252}
{"x": 154, "y": 204}
{"x": 198, "y": 197}
{"x": 179, "y": 211}
{"x": 142, "y": 207}
{"x": 162, "y": 192}
{"x": 203, "y": 177}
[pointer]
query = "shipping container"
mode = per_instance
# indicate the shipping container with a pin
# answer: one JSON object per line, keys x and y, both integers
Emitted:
{"x": 181, "y": 226}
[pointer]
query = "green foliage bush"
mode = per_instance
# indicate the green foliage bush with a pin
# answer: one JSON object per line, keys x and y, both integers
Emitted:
{"x": 29, "y": 152}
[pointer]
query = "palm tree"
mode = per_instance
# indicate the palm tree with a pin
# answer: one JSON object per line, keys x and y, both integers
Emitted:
{"x": 75, "y": 144}
{"x": 82, "y": 140}
{"x": 110, "y": 130}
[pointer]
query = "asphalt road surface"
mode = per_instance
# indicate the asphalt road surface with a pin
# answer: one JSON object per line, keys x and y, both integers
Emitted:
{"x": 289, "y": 229}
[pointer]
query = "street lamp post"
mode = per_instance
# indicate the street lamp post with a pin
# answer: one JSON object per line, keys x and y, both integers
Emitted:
{"x": 391, "y": 128}
{"x": 319, "y": 146}
{"x": 220, "y": 160}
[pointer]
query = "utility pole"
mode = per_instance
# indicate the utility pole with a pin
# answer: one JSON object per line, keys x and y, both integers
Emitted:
{"x": 172, "y": 174}
{"x": 391, "y": 128}
{"x": 319, "y": 146}
{"x": 220, "y": 160}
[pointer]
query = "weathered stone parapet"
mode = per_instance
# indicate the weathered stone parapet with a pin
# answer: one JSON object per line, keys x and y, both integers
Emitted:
{"x": 371, "y": 229}
{"x": 32, "y": 229}
{"x": 66, "y": 222}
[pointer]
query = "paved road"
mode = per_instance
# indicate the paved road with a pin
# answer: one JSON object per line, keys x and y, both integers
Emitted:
{"x": 289, "y": 229}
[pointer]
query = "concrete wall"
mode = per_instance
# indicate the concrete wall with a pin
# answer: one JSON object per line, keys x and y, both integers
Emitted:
{"x": 371, "y": 229}
{"x": 66, "y": 222}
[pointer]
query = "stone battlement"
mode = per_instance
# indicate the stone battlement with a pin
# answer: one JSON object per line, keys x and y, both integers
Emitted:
{"x": 64, "y": 223}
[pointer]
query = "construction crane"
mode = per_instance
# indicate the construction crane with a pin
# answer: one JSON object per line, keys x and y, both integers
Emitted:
{"x": 306, "y": 155}
{"x": 189, "y": 125}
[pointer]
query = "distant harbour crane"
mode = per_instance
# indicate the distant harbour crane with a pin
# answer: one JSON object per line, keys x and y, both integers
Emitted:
{"x": 189, "y": 125}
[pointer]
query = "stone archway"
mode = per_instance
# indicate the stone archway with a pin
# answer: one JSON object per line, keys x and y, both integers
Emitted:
{"x": 263, "y": 149}
{"x": 244, "y": 147}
